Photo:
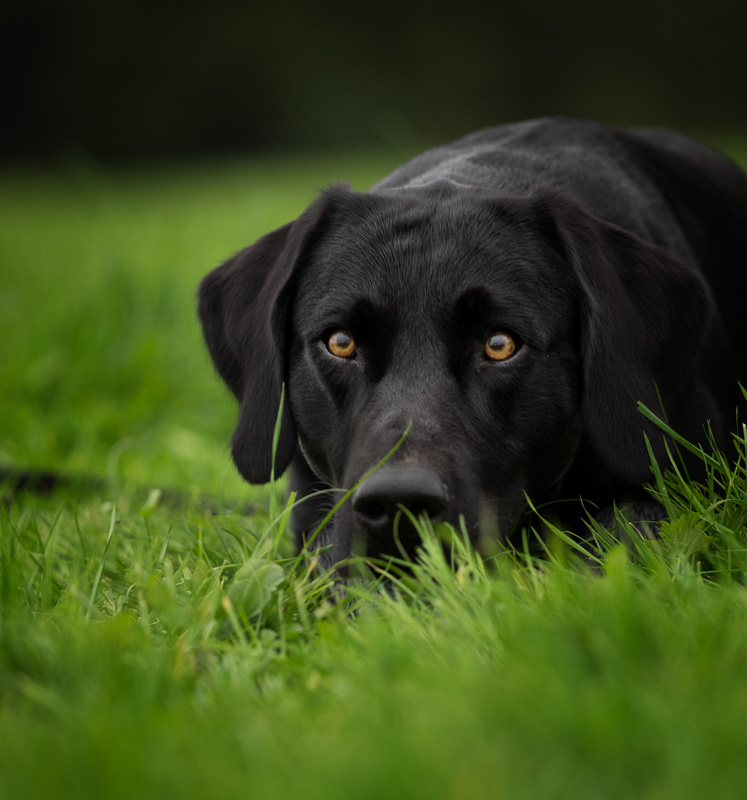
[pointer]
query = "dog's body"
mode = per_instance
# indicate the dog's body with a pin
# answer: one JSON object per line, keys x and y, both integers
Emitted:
{"x": 511, "y": 297}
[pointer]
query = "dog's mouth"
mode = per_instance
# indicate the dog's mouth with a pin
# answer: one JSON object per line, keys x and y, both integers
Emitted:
{"x": 398, "y": 544}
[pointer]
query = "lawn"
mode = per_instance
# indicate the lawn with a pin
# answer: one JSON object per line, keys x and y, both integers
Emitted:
{"x": 158, "y": 637}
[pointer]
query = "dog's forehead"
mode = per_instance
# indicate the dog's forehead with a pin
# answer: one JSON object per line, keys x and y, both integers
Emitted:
{"x": 429, "y": 247}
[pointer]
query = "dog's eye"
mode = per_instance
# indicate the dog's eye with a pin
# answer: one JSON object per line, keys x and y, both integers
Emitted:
{"x": 341, "y": 344}
{"x": 500, "y": 346}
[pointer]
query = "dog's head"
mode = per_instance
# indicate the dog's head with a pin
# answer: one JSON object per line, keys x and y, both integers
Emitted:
{"x": 513, "y": 336}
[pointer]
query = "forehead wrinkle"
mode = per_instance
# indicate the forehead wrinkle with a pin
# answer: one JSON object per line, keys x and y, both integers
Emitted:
{"x": 405, "y": 247}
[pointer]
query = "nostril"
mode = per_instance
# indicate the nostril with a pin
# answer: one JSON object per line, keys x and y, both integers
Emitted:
{"x": 371, "y": 512}
{"x": 433, "y": 507}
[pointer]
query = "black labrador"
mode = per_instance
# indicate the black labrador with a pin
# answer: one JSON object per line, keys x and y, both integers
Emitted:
{"x": 509, "y": 298}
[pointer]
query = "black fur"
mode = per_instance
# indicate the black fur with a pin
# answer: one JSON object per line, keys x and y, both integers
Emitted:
{"x": 614, "y": 257}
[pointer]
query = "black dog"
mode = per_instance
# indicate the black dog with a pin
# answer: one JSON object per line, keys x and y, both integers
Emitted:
{"x": 511, "y": 297}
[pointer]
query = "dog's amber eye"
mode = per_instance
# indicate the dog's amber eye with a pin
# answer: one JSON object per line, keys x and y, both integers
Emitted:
{"x": 500, "y": 346}
{"x": 341, "y": 344}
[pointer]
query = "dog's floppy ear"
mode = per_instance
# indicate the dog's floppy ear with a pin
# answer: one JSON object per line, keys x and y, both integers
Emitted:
{"x": 643, "y": 321}
{"x": 243, "y": 307}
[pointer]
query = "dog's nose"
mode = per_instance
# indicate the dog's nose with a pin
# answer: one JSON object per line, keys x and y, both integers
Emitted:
{"x": 378, "y": 499}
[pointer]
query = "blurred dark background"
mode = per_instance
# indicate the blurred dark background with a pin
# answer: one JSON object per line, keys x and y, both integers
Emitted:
{"x": 133, "y": 79}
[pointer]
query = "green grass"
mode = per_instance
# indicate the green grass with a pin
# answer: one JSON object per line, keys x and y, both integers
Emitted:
{"x": 172, "y": 646}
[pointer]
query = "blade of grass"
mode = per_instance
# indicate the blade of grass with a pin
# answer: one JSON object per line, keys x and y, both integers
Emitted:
{"x": 695, "y": 449}
{"x": 275, "y": 440}
{"x": 100, "y": 569}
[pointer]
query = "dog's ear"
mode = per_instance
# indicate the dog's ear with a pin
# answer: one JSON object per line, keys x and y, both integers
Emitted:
{"x": 243, "y": 307}
{"x": 643, "y": 321}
